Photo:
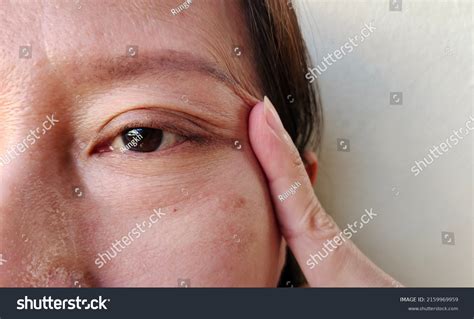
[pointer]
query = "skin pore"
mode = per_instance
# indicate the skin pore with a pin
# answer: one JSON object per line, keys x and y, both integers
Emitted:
{"x": 218, "y": 228}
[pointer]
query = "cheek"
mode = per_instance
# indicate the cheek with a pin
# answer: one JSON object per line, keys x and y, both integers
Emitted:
{"x": 216, "y": 230}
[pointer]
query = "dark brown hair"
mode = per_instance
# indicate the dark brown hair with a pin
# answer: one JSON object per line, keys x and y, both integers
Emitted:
{"x": 282, "y": 61}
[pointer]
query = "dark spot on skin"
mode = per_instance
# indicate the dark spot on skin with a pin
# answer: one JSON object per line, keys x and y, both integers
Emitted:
{"x": 239, "y": 202}
{"x": 232, "y": 203}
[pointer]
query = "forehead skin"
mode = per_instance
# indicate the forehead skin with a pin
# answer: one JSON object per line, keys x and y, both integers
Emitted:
{"x": 65, "y": 35}
{"x": 221, "y": 233}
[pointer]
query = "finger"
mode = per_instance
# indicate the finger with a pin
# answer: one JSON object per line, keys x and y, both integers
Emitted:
{"x": 303, "y": 222}
{"x": 291, "y": 189}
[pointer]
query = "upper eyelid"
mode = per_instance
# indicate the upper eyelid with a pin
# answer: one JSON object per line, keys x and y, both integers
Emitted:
{"x": 170, "y": 122}
{"x": 165, "y": 116}
{"x": 161, "y": 62}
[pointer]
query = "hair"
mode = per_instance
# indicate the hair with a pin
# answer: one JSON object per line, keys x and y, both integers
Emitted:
{"x": 282, "y": 61}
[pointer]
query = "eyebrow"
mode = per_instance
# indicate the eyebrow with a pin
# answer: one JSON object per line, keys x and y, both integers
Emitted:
{"x": 125, "y": 67}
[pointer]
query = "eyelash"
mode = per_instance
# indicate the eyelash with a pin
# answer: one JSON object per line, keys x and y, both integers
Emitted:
{"x": 166, "y": 127}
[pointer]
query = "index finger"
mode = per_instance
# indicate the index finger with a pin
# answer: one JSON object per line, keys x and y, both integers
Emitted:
{"x": 304, "y": 223}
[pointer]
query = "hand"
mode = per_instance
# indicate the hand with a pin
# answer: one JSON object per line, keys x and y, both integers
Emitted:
{"x": 325, "y": 254}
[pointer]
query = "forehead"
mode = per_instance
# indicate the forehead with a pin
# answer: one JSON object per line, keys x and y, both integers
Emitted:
{"x": 62, "y": 33}
{"x": 109, "y": 25}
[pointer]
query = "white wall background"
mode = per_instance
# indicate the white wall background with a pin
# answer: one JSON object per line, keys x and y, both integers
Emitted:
{"x": 426, "y": 52}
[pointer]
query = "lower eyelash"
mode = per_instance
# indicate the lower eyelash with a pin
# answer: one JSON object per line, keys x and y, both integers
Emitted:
{"x": 201, "y": 140}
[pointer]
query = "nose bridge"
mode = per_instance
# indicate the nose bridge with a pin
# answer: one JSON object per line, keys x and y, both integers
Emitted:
{"x": 39, "y": 223}
{"x": 39, "y": 218}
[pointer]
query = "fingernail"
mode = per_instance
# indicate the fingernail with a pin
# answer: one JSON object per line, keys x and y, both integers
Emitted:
{"x": 271, "y": 115}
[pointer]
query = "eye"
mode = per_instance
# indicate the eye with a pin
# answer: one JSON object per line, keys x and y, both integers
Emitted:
{"x": 145, "y": 139}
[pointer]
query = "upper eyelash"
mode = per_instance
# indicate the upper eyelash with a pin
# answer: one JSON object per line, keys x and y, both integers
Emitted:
{"x": 188, "y": 137}
{"x": 190, "y": 129}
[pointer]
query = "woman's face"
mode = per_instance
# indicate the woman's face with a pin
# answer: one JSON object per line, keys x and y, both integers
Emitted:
{"x": 80, "y": 206}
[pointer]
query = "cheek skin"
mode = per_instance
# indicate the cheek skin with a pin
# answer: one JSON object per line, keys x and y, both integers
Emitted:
{"x": 222, "y": 233}
{"x": 219, "y": 232}
{"x": 41, "y": 230}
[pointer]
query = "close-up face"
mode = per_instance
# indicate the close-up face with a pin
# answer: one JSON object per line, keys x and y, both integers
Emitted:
{"x": 125, "y": 157}
{"x": 237, "y": 144}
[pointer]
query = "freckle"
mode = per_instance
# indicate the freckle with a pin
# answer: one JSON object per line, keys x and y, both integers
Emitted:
{"x": 239, "y": 202}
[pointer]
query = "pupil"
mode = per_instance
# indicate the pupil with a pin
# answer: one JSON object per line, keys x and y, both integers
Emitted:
{"x": 142, "y": 139}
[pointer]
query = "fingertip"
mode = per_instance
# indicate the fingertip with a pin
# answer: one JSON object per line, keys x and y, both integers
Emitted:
{"x": 256, "y": 122}
{"x": 311, "y": 165}
{"x": 256, "y": 111}
{"x": 265, "y": 143}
